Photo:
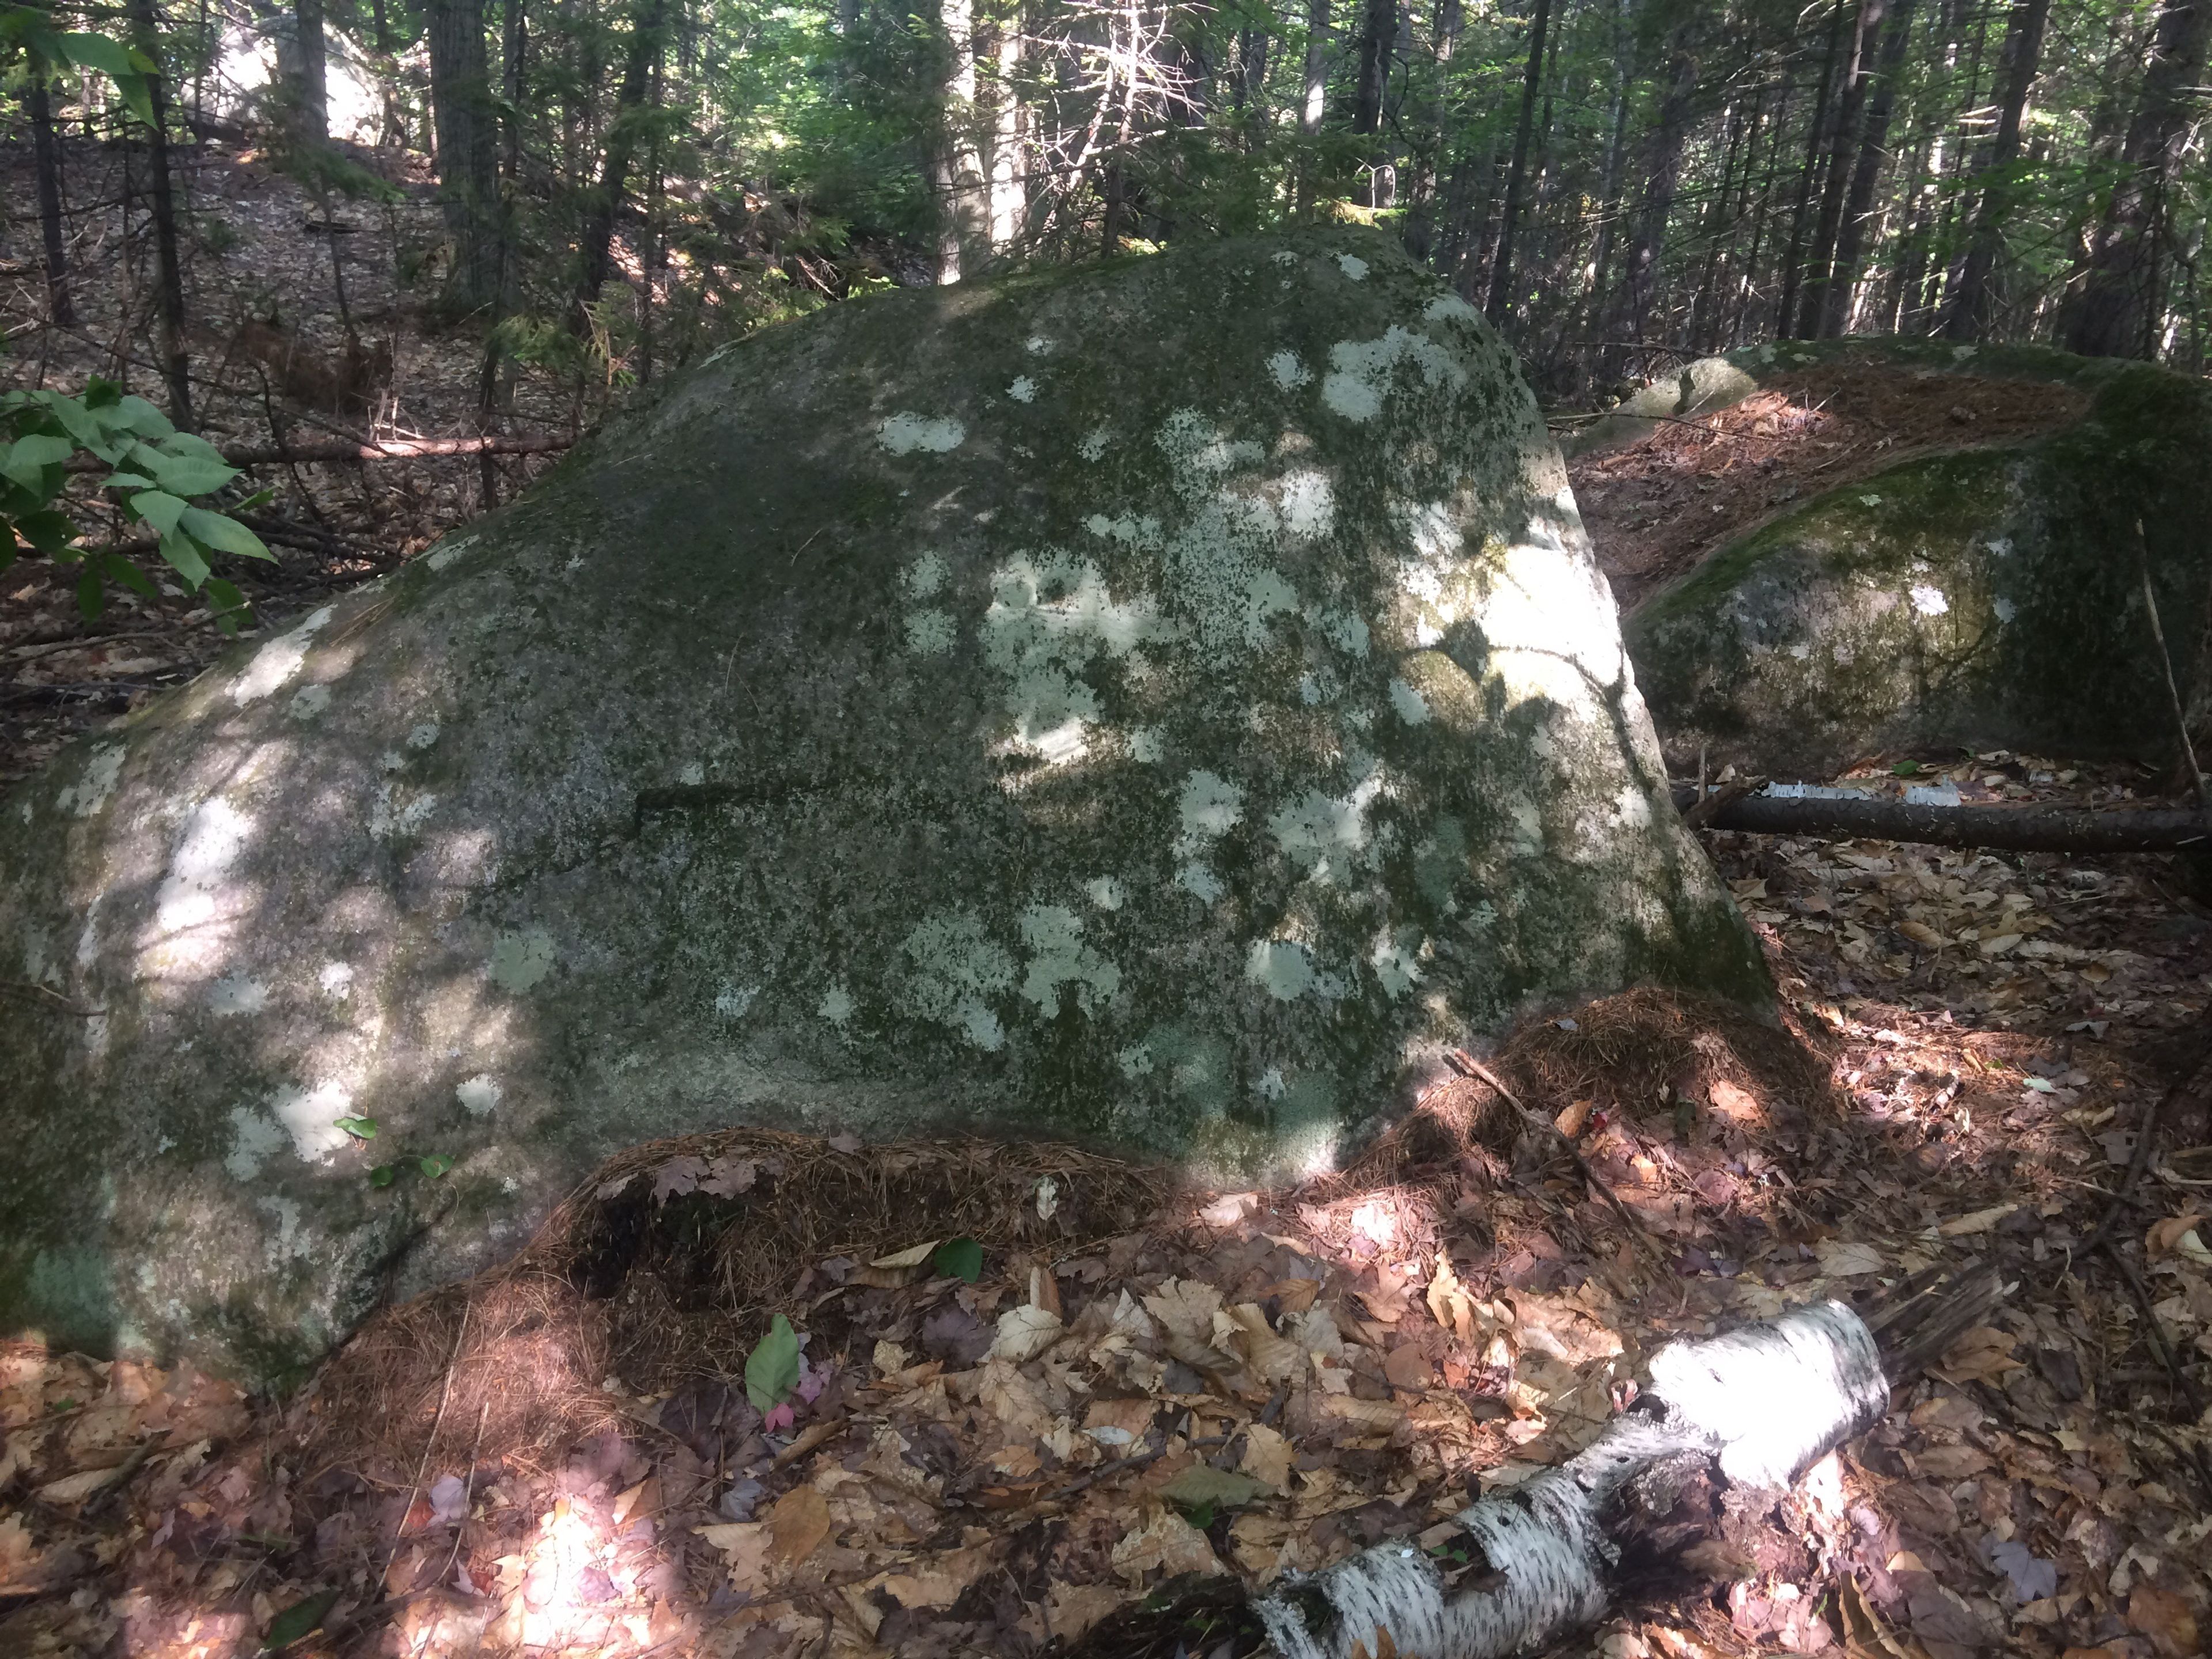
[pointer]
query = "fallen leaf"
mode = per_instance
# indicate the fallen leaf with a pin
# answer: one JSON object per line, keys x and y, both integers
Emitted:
{"x": 939, "y": 1581}
{"x": 1573, "y": 1117}
{"x": 1186, "y": 1307}
{"x": 744, "y": 1546}
{"x": 1201, "y": 1483}
{"x": 1269, "y": 1456}
{"x": 677, "y": 1176}
{"x": 1848, "y": 1259}
{"x": 1072, "y": 1609}
{"x": 1024, "y": 1333}
{"x": 1228, "y": 1209}
{"x": 727, "y": 1176}
{"x": 955, "y": 1336}
{"x": 1271, "y": 1358}
{"x": 1166, "y": 1542}
{"x": 1979, "y": 1222}
{"x": 912, "y": 1258}
{"x": 1981, "y": 1355}
{"x": 799, "y": 1522}
{"x": 1408, "y": 1368}
{"x": 2032, "y": 1576}
{"x": 847, "y": 1143}
{"x": 772, "y": 1369}
{"x": 2165, "y": 1617}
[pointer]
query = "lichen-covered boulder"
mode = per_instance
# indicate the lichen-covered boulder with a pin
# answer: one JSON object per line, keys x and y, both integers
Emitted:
{"x": 1988, "y": 598}
{"x": 1161, "y": 702}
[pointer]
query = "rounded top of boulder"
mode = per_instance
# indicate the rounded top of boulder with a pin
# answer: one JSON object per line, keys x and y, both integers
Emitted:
{"x": 1165, "y": 701}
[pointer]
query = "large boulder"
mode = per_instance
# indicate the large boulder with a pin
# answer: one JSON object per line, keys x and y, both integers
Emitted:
{"x": 1980, "y": 597}
{"x": 1163, "y": 703}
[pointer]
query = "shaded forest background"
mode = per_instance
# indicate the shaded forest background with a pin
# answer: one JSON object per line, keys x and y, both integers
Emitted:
{"x": 620, "y": 185}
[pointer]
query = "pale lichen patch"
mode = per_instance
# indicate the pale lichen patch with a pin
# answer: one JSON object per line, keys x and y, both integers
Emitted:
{"x": 954, "y": 968}
{"x": 1058, "y": 957}
{"x": 479, "y": 1095}
{"x": 1361, "y": 372}
{"x": 931, "y": 633}
{"x": 925, "y": 576}
{"x": 836, "y": 1006}
{"x": 91, "y": 790}
{"x": 904, "y": 432}
{"x": 278, "y": 660}
{"x": 235, "y": 994}
{"x": 1106, "y": 892}
{"x": 1352, "y": 266}
{"x": 520, "y": 960}
{"x": 309, "y": 702}
{"x": 1411, "y": 706}
{"x": 1024, "y": 390}
{"x": 1288, "y": 372}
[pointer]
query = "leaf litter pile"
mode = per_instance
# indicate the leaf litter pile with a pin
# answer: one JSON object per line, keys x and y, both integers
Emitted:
{"x": 753, "y": 1393}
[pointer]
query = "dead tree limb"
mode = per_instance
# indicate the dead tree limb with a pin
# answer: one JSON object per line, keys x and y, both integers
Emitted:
{"x": 2009, "y": 828}
{"x": 389, "y": 449}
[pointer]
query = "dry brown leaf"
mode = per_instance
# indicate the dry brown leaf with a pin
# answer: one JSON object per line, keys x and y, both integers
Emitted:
{"x": 1982, "y": 1355}
{"x": 1366, "y": 1416}
{"x": 1072, "y": 1609}
{"x": 1738, "y": 1105}
{"x": 745, "y": 1546}
{"x": 2166, "y": 1237}
{"x": 800, "y": 1523}
{"x": 1979, "y": 1222}
{"x": 1024, "y": 1333}
{"x": 1271, "y": 1358}
{"x": 912, "y": 1258}
{"x": 2165, "y": 1619}
{"x": 1269, "y": 1456}
{"x": 73, "y": 1489}
{"x": 1185, "y": 1308}
{"x": 1408, "y": 1368}
{"x": 19, "y": 1556}
{"x": 1293, "y": 1295}
{"x": 1573, "y": 1117}
{"x": 941, "y": 1580}
{"x": 1165, "y": 1541}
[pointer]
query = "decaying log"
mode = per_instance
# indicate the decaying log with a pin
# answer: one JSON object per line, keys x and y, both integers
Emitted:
{"x": 1740, "y": 1415}
{"x": 2009, "y": 828}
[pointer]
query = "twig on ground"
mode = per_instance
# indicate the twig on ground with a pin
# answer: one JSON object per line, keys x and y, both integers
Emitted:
{"x": 1123, "y": 1465}
{"x": 2166, "y": 664}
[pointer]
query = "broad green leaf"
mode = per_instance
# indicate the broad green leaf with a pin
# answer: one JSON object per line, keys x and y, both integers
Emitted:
{"x": 121, "y": 569}
{"x": 227, "y": 604}
{"x": 435, "y": 1165}
{"x": 1201, "y": 1485}
{"x": 27, "y": 459}
{"x": 383, "y": 1174}
{"x": 46, "y": 529}
{"x": 300, "y": 1618}
{"x": 772, "y": 1371}
{"x": 91, "y": 596}
{"x": 83, "y": 424}
{"x": 102, "y": 394}
{"x": 959, "y": 1258}
{"x": 361, "y": 1129}
{"x": 186, "y": 475}
{"x": 159, "y": 508}
{"x": 135, "y": 94}
{"x": 187, "y": 559}
{"x": 7, "y": 545}
{"x": 96, "y": 51}
{"x": 225, "y": 535}
{"x": 127, "y": 481}
{"x": 139, "y": 416}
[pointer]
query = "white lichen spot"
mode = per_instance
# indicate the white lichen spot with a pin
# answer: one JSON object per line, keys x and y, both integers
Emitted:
{"x": 1362, "y": 371}
{"x": 1058, "y": 957}
{"x": 736, "y": 1001}
{"x": 1037, "y": 346}
{"x": 1283, "y": 966}
{"x": 925, "y": 577}
{"x": 1928, "y": 599}
{"x": 336, "y": 980}
{"x": 478, "y": 1095}
{"x": 1345, "y": 629}
{"x": 1128, "y": 530}
{"x": 1412, "y": 707}
{"x": 1317, "y": 827}
{"x": 390, "y": 819}
{"x": 90, "y": 792}
{"x": 421, "y": 737}
{"x": 1135, "y": 1061}
{"x": 288, "y": 1244}
{"x": 1448, "y": 306}
{"x": 308, "y": 701}
{"x": 1869, "y": 500}
{"x": 1106, "y": 892}
{"x": 235, "y": 994}
{"x": 520, "y": 960}
{"x": 931, "y": 633}
{"x": 693, "y": 775}
{"x": 445, "y": 552}
{"x": 906, "y": 432}
{"x": 1147, "y": 744}
{"x": 954, "y": 968}
{"x": 836, "y": 1006}
{"x": 310, "y": 1117}
{"x": 1049, "y": 618}
{"x": 1199, "y": 882}
{"x": 1802, "y": 650}
{"x": 1395, "y": 959}
{"x": 1094, "y": 442}
{"x": 1211, "y": 807}
{"x": 1271, "y": 1086}
{"x": 1308, "y": 503}
{"x": 1288, "y": 373}
{"x": 1352, "y": 266}
{"x": 2004, "y": 608}
{"x": 215, "y": 836}
{"x": 255, "y": 1138}
{"x": 1024, "y": 390}
{"x": 278, "y": 660}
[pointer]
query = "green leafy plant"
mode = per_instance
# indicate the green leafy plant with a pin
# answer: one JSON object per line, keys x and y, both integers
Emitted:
{"x": 154, "y": 471}
{"x": 958, "y": 1258}
{"x": 27, "y": 31}
{"x": 772, "y": 1369}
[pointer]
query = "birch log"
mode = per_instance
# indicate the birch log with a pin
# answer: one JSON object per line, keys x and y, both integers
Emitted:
{"x": 1764, "y": 1403}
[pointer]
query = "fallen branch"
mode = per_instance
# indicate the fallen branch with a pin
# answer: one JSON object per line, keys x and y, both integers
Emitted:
{"x": 401, "y": 449}
{"x": 2010, "y": 829}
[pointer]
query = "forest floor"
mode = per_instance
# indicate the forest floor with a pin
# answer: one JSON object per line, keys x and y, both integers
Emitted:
{"x": 1136, "y": 1384}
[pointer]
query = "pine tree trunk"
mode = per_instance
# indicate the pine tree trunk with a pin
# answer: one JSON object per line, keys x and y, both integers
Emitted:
{"x": 1316, "y": 102}
{"x": 1662, "y": 170}
{"x": 1378, "y": 29}
{"x": 311, "y": 94}
{"x": 468, "y": 155}
{"x": 175, "y": 364}
{"x": 597, "y": 240}
{"x": 2115, "y": 314}
{"x": 1501, "y": 268}
{"x": 1842, "y": 144}
{"x": 1816, "y": 135}
{"x": 1874, "y": 137}
{"x": 1971, "y": 302}
{"x": 514, "y": 49}
{"x": 46, "y": 162}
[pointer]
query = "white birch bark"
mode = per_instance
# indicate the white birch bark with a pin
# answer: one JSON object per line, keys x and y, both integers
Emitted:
{"x": 1765, "y": 1403}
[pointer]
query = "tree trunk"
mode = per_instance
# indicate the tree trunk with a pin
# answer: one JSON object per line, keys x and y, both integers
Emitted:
{"x": 514, "y": 50}
{"x": 1378, "y": 31}
{"x": 1421, "y": 217}
{"x": 1816, "y": 134}
{"x": 1843, "y": 143}
{"x": 2115, "y": 314}
{"x": 1009, "y": 204}
{"x": 2023, "y": 50}
{"x": 468, "y": 155}
{"x": 175, "y": 364}
{"x": 310, "y": 92}
{"x": 1639, "y": 276}
{"x": 1501, "y": 267}
{"x": 1316, "y": 102}
{"x": 46, "y": 161}
{"x": 1873, "y": 139}
{"x": 955, "y": 164}
{"x": 597, "y": 240}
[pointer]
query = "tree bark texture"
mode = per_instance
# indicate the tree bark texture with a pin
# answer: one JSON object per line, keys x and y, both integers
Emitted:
{"x": 1501, "y": 266}
{"x": 309, "y": 90}
{"x": 1972, "y": 302}
{"x": 1816, "y": 132}
{"x": 175, "y": 363}
{"x": 1761, "y": 1404}
{"x": 1873, "y": 139}
{"x": 1843, "y": 145}
{"x": 647, "y": 28}
{"x": 1662, "y": 172}
{"x": 467, "y": 133}
{"x": 2115, "y": 312}
{"x": 46, "y": 164}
